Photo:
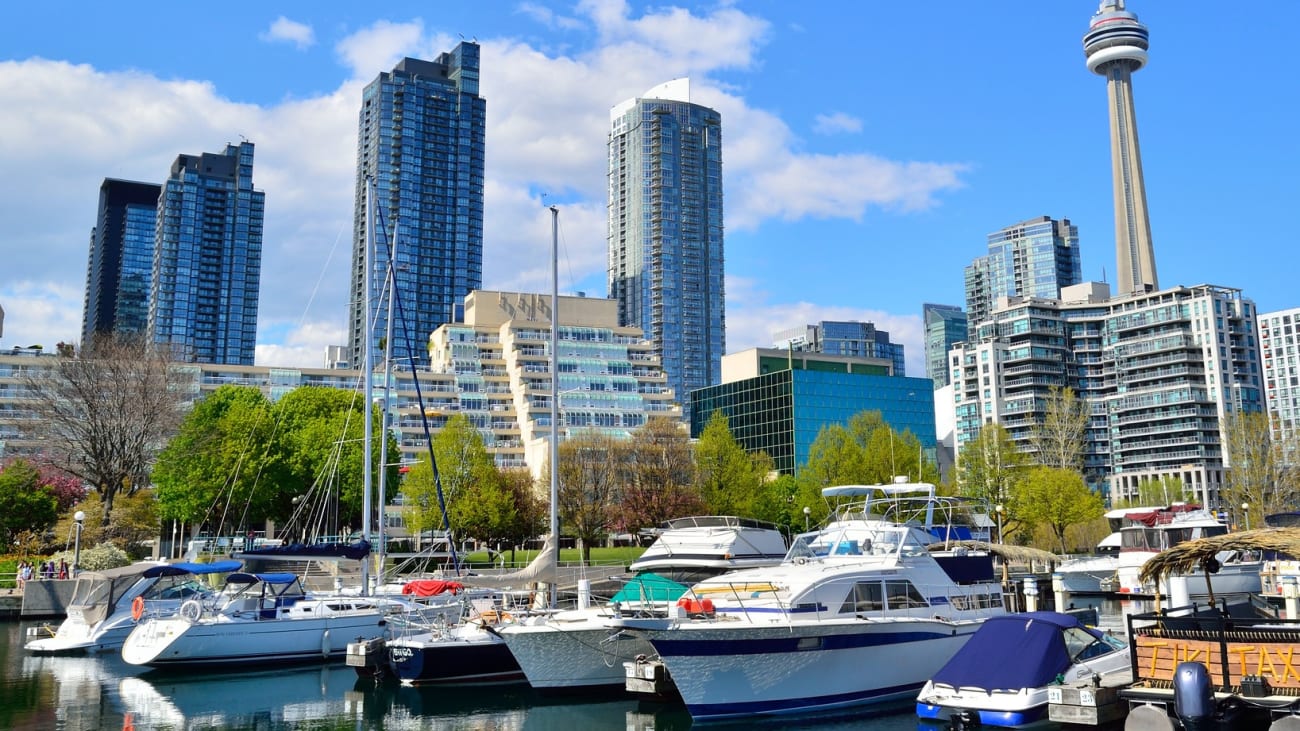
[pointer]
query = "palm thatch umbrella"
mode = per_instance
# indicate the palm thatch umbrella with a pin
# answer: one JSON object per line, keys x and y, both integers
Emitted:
{"x": 1186, "y": 556}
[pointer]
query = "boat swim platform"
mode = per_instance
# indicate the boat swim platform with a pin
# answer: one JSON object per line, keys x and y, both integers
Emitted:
{"x": 1088, "y": 703}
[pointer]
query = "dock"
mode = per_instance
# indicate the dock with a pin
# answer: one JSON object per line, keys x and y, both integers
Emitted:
{"x": 1087, "y": 703}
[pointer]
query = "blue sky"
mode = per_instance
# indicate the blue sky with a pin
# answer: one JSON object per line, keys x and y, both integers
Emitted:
{"x": 868, "y": 147}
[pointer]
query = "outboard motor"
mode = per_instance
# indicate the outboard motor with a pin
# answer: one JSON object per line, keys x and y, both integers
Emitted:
{"x": 1194, "y": 696}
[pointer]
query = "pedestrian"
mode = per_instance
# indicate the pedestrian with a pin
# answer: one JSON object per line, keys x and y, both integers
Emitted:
{"x": 21, "y": 576}
{"x": 47, "y": 571}
{"x": 63, "y": 569}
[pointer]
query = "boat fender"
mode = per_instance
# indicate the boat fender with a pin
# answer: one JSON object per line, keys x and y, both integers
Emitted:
{"x": 1147, "y": 717}
{"x": 325, "y": 643}
{"x": 801, "y": 560}
{"x": 137, "y": 608}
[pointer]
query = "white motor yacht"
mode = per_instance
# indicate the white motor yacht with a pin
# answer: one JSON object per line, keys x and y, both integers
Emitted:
{"x": 577, "y": 649}
{"x": 859, "y": 612}
{"x": 1146, "y": 534}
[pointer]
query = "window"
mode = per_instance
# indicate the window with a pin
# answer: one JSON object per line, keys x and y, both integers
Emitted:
{"x": 865, "y": 597}
{"x": 903, "y": 595}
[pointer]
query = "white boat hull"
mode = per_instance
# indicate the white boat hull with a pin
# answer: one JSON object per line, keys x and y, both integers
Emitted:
{"x": 573, "y": 653}
{"x": 176, "y": 641}
{"x": 1094, "y": 575}
{"x": 725, "y": 671}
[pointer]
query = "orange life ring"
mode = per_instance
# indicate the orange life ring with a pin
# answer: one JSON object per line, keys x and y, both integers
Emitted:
{"x": 137, "y": 608}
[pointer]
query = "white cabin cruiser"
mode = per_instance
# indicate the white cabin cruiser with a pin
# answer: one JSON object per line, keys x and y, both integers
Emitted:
{"x": 1146, "y": 534}
{"x": 577, "y": 649}
{"x": 102, "y": 613}
{"x": 264, "y": 618}
{"x": 1001, "y": 677}
{"x": 859, "y": 612}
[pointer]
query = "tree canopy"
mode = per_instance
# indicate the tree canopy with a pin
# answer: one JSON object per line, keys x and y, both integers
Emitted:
{"x": 25, "y": 504}
{"x": 989, "y": 468}
{"x": 1056, "y": 498}
{"x": 732, "y": 481}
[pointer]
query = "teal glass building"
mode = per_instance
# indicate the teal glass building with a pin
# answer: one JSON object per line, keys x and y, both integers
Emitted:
{"x": 207, "y": 263}
{"x": 1033, "y": 258}
{"x": 420, "y": 139}
{"x": 120, "y": 265}
{"x": 782, "y": 407}
{"x": 665, "y": 230}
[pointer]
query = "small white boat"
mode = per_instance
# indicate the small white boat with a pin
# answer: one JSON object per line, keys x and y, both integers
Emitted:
{"x": 1001, "y": 676}
{"x": 102, "y": 613}
{"x": 267, "y": 618}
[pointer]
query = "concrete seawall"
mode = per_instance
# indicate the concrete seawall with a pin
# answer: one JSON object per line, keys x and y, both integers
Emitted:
{"x": 43, "y": 599}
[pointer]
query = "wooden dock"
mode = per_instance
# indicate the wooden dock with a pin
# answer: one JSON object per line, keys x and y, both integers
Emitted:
{"x": 1086, "y": 703}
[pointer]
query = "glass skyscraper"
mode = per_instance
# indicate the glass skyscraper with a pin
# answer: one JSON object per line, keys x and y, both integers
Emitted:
{"x": 420, "y": 141}
{"x": 665, "y": 230}
{"x": 121, "y": 260}
{"x": 1033, "y": 258}
{"x": 207, "y": 263}
{"x": 848, "y": 338}
{"x": 945, "y": 326}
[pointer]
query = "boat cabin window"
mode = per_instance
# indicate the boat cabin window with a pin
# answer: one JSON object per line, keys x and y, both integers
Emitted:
{"x": 865, "y": 596}
{"x": 903, "y": 595}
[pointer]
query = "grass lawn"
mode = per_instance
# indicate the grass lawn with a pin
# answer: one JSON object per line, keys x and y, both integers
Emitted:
{"x": 599, "y": 556}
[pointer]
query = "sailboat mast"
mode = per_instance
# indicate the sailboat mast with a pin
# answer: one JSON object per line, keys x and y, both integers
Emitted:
{"x": 367, "y": 368}
{"x": 555, "y": 387}
{"x": 391, "y": 279}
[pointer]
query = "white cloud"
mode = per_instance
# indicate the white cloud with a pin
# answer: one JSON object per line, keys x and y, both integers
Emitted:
{"x": 835, "y": 123}
{"x": 300, "y": 35}
{"x": 752, "y": 319}
{"x": 547, "y": 126}
{"x": 548, "y": 17}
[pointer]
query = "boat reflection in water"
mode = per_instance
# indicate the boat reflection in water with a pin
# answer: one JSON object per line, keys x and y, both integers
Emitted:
{"x": 332, "y": 693}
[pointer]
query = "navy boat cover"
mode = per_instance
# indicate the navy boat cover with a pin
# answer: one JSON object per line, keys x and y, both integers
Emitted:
{"x": 1024, "y": 650}
{"x": 176, "y": 569}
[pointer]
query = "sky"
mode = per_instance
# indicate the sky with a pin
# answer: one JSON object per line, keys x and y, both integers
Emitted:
{"x": 869, "y": 148}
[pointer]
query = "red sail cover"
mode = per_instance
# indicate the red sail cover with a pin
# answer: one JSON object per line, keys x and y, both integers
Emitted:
{"x": 432, "y": 587}
{"x": 1161, "y": 517}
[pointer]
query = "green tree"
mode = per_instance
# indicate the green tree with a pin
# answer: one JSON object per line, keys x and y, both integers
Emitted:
{"x": 657, "y": 476}
{"x": 988, "y": 469}
{"x": 1258, "y": 473}
{"x": 467, "y": 475}
{"x": 216, "y": 458}
{"x": 835, "y": 458}
{"x": 1153, "y": 492}
{"x": 1058, "y": 439}
{"x": 104, "y": 416}
{"x": 1056, "y": 498}
{"x": 25, "y": 505}
{"x": 531, "y": 510}
{"x": 589, "y": 485}
{"x": 732, "y": 481}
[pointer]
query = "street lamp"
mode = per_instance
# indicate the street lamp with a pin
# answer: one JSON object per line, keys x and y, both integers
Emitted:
{"x": 998, "y": 509}
{"x": 80, "y": 517}
{"x": 1245, "y": 511}
{"x": 807, "y": 511}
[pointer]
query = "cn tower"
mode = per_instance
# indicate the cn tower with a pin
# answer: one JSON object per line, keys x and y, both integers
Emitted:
{"x": 1116, "y": 46}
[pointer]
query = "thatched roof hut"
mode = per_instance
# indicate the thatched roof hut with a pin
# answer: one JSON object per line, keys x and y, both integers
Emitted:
{"x": 1191, "y": 555}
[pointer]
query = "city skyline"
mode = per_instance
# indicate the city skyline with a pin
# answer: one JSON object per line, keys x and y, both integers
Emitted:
{"x": 839, "y": 181}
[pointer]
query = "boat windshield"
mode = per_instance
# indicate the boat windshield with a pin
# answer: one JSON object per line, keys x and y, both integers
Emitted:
{"x": 180, "y": 586}
{"x": 856, "y": 540}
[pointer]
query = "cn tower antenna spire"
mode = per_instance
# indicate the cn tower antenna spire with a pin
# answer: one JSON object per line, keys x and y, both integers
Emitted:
{"x": 1116, "y": 46}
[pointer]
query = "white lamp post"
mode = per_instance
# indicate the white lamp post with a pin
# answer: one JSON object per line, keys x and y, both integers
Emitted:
{"x": 807, "y": 511}
{"x": 80, "y": 518}
{"x": 998, "y": 509}
{"x": 1245, "y": 511}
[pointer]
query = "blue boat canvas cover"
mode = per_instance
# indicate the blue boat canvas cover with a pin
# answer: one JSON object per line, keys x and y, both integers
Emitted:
{"x": 649, "y": 587}
{"x": 1025, "y": 650}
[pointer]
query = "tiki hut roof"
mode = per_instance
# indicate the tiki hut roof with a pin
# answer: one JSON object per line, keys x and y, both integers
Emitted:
{"x": 1187, "y": 556}
{"x": 1016, "y": 554}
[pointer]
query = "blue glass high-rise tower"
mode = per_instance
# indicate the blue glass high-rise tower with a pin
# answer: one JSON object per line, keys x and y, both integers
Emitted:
{"x": 121, "y": 260}
{"x": 1034, "y": 258}
{"x": 665, "y": 231}
{"x": 207, "y": 263}
{"x": 420, "y": 139}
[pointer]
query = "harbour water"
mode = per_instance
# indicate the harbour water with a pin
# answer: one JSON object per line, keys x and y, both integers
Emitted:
{"x": 102, "y": 692}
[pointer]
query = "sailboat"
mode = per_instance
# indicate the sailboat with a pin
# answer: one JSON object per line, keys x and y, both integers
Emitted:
{"x": 474, "y": 651}
{"x": 269, "y": 617}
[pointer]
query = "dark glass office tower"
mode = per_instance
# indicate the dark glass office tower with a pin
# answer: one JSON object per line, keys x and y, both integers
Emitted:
{"x": 665, "y": 231}
{"x": 121, "y": 260}
{"x": 207, "y": 263}
{"x": 420, "y": 139}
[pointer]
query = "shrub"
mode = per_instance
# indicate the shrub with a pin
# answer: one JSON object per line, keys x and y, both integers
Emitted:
{"x": 97, "y": 558}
